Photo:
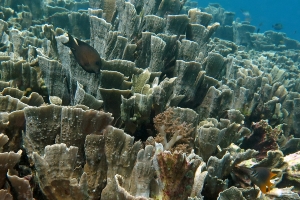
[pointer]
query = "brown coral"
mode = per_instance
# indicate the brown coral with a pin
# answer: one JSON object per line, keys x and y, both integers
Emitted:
{"x": 172, "y": 133}
{"x": 262, "y": 139}
{"x": 176, "y": 174}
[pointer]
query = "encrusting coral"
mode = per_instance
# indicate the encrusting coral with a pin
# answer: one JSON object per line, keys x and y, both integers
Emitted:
{"x": 185, "y": 99}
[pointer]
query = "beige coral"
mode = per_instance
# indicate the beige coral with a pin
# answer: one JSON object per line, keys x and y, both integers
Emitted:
{"x": 21, "y": 186}
{"x": 5, "y": 195}
{"x": 7, "y": 161}
{"x": 3, "y": 140}
{"x": 56, "y": 173}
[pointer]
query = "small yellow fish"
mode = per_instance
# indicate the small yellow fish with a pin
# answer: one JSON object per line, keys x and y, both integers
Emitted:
{"x": 86, "y": 56}
{"x": 260, "y": 176}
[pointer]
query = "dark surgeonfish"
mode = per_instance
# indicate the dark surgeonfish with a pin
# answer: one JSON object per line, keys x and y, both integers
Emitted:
{"x": 86, "y": 56}
{"x": 277, "y": 26}
{"x": 259, "y": 176}
{"x": 258, "y": 28}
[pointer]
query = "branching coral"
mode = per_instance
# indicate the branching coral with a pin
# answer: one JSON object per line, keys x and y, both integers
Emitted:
{"x": 172, "y": 133}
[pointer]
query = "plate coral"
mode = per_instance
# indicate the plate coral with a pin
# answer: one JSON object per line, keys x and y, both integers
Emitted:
{"x": 184, "y": 100}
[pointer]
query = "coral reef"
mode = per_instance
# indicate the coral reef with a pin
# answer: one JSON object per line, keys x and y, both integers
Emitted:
{"x": 184, "y": 100}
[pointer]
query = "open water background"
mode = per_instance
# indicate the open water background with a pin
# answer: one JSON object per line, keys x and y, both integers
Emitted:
{"x": 267, "y": 12}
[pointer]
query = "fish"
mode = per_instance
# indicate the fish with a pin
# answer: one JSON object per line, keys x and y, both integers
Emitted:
{"x": 258, "y": 28}
{"x": 277, "y": 26}
{"x": 259, "y": 176}
{"x": 85, "y": 55}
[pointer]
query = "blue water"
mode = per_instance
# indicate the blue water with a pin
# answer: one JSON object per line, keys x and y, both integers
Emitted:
{"x": 267, "y": 12}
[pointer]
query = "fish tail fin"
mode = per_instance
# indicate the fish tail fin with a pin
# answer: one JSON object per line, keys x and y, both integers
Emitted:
{"x": 266, "y": 187}
{"x": 263, "y": 188}
{"x": 71, "y": 43}
{"x": 272, "y": 175}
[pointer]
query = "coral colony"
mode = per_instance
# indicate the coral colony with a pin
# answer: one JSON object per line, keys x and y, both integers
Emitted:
{"x": 177, "y": 103}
